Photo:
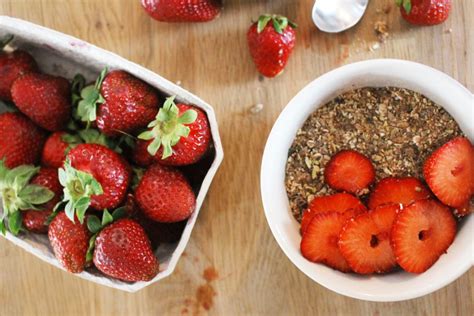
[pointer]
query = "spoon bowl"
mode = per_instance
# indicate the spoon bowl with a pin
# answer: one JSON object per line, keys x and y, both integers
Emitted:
{"x": 334, "y": 16}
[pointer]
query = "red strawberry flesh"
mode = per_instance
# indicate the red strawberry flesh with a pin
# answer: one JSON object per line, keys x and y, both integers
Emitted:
{"x": 395, "y": 190}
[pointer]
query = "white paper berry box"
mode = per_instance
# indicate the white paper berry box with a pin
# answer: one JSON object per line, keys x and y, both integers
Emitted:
{"x": 63, "y": 55}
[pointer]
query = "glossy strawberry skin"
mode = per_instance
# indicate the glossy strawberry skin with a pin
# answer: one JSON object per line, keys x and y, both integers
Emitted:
{"x": 164, "y": 195}
{"x": 123, "y": 251}
{"x": 182, "y": 10}
{"x": 54, "y": 150}
{"x": 69, "y": 241}
{"x": 140, "y": 155}
{"x": 269, "y": 49}
{"x": 12, "y": 66}
{"x": 21, "y": 140}
{"x": 129, "y": 104}
{"x": 34, "y": 220}
{"x": 427, "y": 12}
{"x": 108, "y": 168}
{"x": 191, "y": 148}
{"x": 45, "y": 99}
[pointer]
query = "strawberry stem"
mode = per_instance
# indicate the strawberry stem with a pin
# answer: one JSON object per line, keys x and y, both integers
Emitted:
{"x": 90, "y": 98}
{"x": 168, "y": 128}
{"x": 279, "y": 22}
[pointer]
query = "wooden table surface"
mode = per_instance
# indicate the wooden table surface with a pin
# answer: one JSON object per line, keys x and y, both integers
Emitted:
{"x": 231, "y": 238}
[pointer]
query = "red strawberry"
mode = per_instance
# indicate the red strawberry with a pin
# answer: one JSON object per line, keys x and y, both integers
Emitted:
{"x": 349, "y": 171}
{"x": 394, "y": 190}
{"x": 12, "y": 66}
{"x": 140, "y": 154}
{"x": 464, "y": 210}
{"x": 179, "y": 136}
{"x": 56, "y": 147}
{"x": 182, "y": 10}
{"x": 165, "y": 195}
{"x": 449, "y": 172}
{"x": 424, "y": 12}
{"x": 18, "y": 193}
{"x": 95, "y": 176}
{"x": 339, "y": 202}
{"x": 21, "y": 141}
{"x": 118, "y": 102}
{"x": 123, "y": 251}
{"x": 45, "y": 99}
{"x": 70, "y": 242}
{"x": 422, "y": 232}
{"x": 319, "y": 242}
{"x": 365, "y": 241}
{"x": 271, "y": 41}
{"x": 34, "y": 220}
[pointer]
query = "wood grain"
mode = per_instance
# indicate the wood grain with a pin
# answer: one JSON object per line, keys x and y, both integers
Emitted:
{"x": 231, "y": 235}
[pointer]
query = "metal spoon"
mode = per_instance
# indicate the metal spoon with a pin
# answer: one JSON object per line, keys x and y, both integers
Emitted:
{"x": 334, "y": 16}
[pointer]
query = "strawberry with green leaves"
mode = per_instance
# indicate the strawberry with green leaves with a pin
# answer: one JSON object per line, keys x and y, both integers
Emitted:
{"x": 21, "y": 141}
{"x": 118, "y": 102}
{"x": 120, "y": 248}
{"x": 93, "y": 176}
{"x": 179, "y": 135}
{"x": 35, "y": 220}
{"x": 45, "y": 99}
{"x": 271, "y": 41}
{"x": 19, "y": 194}
{"x": 424, "y": 12}
{"x": 12, "y": 66}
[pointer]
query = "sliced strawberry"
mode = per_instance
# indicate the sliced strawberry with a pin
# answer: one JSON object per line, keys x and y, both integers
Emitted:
{"x": 319, "y": 242}
{"x": 349, "y": 171}
{"x": 339, "y": 202}
{"x": 449, "y": 172}
{"x": 422, "y": 232}
{"x": 365, "y": 241}
{"x": 464, "y": 210}
{"x": 395, "y": 190}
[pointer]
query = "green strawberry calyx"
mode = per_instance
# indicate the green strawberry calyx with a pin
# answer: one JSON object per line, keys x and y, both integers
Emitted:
{"x": 78, "y": 187}
{"x": 95, "y": 225}
{"x": 406, "y": 5}
{"x": 168, "y": 128}
{"x": 280, "y": 23}
{"x": 19, "y": 195}
{"x": 90, "y": 98}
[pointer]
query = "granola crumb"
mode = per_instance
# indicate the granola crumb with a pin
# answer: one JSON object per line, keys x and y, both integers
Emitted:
{"x": 396, "y": 128}
{"x": 448, "y": 31}
{"x": 256, "y": 108}
{"x": 374, "y": 47}
{"x": 381, "y": 30}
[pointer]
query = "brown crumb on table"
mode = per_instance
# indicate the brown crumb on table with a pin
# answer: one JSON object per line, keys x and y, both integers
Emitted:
{"x": 381, "y": 30}
{"x": 396, "y": 128}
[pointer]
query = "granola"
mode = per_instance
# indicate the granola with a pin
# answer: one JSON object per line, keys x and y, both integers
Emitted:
{"x": 396, "y": 128}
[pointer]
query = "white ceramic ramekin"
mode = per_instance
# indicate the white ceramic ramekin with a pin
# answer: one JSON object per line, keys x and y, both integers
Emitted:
{"x": 63, "y": 55}
{"x": 437, "y": 86}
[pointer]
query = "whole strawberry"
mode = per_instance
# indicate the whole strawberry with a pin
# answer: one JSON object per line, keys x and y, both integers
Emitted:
{"x": 271, "y": 41}
{"x": 70, "y": 242}
{"x": 424, "y": 12}
{"x": 94, "y": 176}
{"x": 21, "y": 140}
{"x": 44, "y": 99}
{"x": 34, "y": 220}
{"x": 165, "y": 195}
{"x": 12, "y": 66}
{"x": 123, "y": 251}
{"x": 118, "y": 102}
{"x": 182, "y": 10}
{"x": 56, "y": 147}
{"x": 18, "y": 194}
{"x": 179, "y": 136}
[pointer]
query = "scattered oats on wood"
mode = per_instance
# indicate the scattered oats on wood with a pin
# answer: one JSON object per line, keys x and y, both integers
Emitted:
{"x": 396, "y": 128}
